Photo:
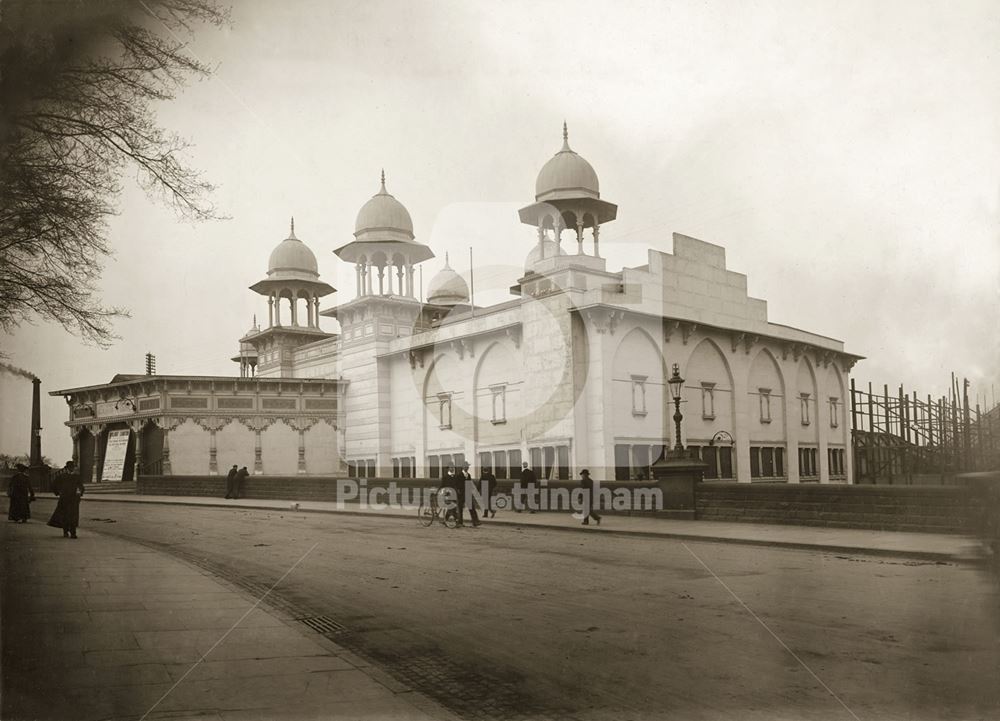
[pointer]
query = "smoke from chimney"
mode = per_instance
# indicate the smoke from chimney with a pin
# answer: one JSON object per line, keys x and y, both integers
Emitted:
{"x": 14, "y": 370}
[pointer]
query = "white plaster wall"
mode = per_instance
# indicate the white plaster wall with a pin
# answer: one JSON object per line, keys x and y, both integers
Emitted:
{"x": 695, "y": 285}
{"x": 833, "y": 387}
{"x": 806, "y": 383}
{"x": 280, "y": 450}
{"x": 234, "y": 443}
{"x": 547, "y": 356}
{"x": 638, "y": 355}
{"x": 407, "y": 405}
{"x": 189, "y": 450}
{"x": 765, "y": 373}
{"x": 322, "y": 457}
{"x": 361, "y": 429}
{"x": 499, "y": 363}
{"x": 446, "y": 375}
{"x": 706, "y": 364}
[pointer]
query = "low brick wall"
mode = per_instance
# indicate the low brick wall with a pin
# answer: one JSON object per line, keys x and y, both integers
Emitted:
{"x": 934, "y": 509}
{"x": 295, "y": 488}
{"x": 324, "y": 488}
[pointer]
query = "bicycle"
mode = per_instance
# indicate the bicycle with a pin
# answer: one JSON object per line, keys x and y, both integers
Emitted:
{"x": 434, "y": 511}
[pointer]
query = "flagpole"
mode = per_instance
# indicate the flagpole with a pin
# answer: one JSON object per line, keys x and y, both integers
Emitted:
{"x": 472, "y": 284}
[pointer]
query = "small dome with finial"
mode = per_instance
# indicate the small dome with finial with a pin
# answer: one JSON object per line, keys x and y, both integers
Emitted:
{"x": 245, "y": 345}
{"x": 566, "y": 175}
{"x": 383, "y": 214}
{"x": 447, "y": 287}
{"x": 547, "y": 249}
{"x": 292, "y": 259}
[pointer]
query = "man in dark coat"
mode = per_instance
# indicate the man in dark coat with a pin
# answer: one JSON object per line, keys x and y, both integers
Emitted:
{"x": 488, "y": 478}
{"x": 21, "y": 495}
{"x": 69, "y": 487}
{"x": 465, "y": 479}
{"x": 528, "y": 481}
{"x": 587, "y": 483}
{"x": 241, "y": 477}
{"x": 454, "y": 483}
{"x": 231, "y": 482}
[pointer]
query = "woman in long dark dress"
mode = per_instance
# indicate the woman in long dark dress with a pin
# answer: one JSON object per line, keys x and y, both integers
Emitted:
{"x": 21, "y": 495}
{"x": 69, "y": 488}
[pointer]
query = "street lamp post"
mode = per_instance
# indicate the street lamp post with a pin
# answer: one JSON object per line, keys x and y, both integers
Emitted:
{"x": 678, "y": 471}
{"x": 676, "y": 384}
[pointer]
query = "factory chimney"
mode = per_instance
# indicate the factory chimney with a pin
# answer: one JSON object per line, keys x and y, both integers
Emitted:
{"x": 36, "y": 470}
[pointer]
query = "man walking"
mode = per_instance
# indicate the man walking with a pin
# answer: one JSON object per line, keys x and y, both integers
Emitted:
{"x": 455, "y": 484}
{"x": 588, "y": 498}
{"x": 464, "y": 496}
{"x": 231, "y": 482}
{"x": 527, "y": 481}
{"x": 69, "y": 488}
{"x": 488, "y": 479}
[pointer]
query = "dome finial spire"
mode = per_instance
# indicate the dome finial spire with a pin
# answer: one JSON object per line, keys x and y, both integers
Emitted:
{"x": 383, "y": 181}
{"x": 565, "y": 136}
{"x": 291, "y": 232}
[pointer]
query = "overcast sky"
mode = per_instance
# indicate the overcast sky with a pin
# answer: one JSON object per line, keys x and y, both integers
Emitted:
{"x": 846, "y": 155}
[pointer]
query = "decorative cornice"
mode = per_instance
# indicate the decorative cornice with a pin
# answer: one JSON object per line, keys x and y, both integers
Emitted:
{"x": 210, "y": 423}
{"x": 258, "y": 423}
{"x": 300, "y": 424}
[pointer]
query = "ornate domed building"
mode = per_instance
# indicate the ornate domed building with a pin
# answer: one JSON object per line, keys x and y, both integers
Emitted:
{"x": 571, "y": 372}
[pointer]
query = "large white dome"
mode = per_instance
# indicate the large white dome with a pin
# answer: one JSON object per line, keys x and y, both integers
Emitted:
{"x": 383, "y": 213}
{"x": 292, "y": 258}
{"x": 567, "y": 174}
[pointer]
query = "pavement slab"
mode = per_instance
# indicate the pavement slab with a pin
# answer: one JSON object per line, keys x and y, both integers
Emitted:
{"x": 101, "y": 628}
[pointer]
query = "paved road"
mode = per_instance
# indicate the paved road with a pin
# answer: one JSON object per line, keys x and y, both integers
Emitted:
{"x": 506, "y": 622}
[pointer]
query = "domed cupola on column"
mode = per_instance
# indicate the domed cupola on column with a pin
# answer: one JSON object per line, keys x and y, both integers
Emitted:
{"x": 567, "y": 197}
{"x": 247, "y": 355}
{"x": 447, "y": 287}
{"x": 383, "y": 253}
{"x": 292, "y": 277}
{"x": 384, "y": 250}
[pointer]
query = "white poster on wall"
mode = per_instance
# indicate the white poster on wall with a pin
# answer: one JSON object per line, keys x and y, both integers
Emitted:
{"x": 114, "y": 456}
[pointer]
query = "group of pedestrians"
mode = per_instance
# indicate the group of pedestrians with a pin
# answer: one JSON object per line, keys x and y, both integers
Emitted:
{"x": 67, "y": 485}
{"x": 459, "y": 483}
{"x": 235, "y": 481}
{"x": 526, "y": 485}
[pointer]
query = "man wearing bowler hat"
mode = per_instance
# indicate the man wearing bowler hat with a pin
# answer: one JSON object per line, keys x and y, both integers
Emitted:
{"x": 587, "y": 483}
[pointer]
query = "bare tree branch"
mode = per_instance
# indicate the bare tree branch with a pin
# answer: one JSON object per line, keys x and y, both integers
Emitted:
{"x": 76, "y": 85}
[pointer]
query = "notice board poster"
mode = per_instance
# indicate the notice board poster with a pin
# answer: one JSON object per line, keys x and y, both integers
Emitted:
{"x": 114, "y": 456}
